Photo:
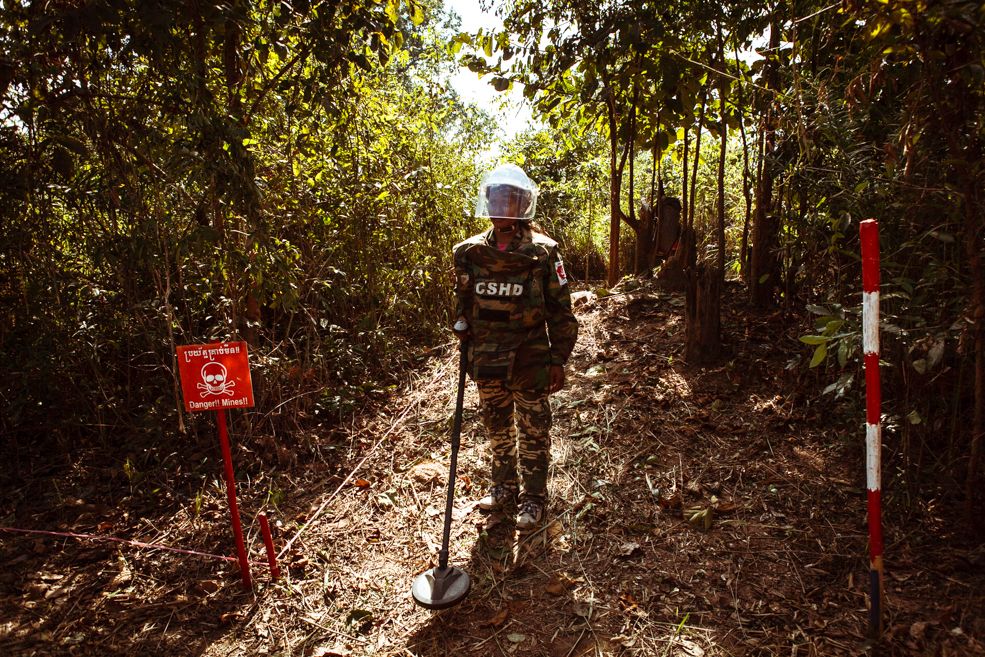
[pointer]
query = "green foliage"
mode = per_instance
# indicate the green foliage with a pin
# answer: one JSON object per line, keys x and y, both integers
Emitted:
{"x": 294, "y": 172}
{"x": 837, "y": 333}
{"x": 289, "y": 173}
{"x": 572, "y": 200}
{"x": 863, "y": 109}
{"x": 883, "y": 115}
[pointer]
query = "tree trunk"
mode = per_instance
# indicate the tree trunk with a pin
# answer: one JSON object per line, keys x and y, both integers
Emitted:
{"x": 697, "y": 158}
{"x": 792, "y": 252}
{"x": 660, "y": 215}
{"x": 764, "y": 267}
{"x": 702, "y": 341}
{"x": 746, "y": 182}
{"x": 616, "y": 166}
{"x": 722, "y": 97}
{"x": 653, "y": 171}
{"x": 591, "y": 243}
{"x": 649, "y": 221}
{"x": 685, "y": 202}
{"x": 974, "y": 245}
{"x": 615, "y": 184}
{"x": 765, "y": 261}
{"x": 645, "y": 237}
{"x": 640, "y": 256}
{"x": 672, "y": 275}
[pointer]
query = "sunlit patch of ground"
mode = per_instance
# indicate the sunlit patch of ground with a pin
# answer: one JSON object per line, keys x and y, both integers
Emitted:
{"x": 694, "y": 512}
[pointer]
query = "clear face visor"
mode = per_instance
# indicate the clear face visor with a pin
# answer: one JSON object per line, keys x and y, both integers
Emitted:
{"x": 505, "y": 202}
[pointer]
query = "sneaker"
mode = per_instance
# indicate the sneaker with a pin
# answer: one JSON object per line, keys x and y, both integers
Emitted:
{"x": 531, "y": 513}
{"x": 497, "y": 496}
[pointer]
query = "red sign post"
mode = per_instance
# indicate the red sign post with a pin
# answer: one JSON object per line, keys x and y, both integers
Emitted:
{"x": 215, "y": 377}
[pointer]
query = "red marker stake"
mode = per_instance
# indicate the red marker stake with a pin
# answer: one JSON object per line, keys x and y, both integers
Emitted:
{"x": 869, "y": 233}
{"x": 268, "y": 542}
{"x": 227, "y": 457}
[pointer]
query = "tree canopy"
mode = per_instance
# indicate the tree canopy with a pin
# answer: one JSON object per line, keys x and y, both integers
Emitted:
{"x": 293, "y": 173}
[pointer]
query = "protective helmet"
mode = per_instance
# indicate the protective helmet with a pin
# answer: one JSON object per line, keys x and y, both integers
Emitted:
{"x": 507, "y": 193}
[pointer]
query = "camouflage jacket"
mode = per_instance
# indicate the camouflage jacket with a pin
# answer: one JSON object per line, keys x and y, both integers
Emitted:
{"x": 518, "y": 307}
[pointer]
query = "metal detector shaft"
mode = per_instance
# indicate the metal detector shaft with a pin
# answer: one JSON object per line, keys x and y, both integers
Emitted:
{"x": 444, "y": 586}
{"x": 456, "y": 435}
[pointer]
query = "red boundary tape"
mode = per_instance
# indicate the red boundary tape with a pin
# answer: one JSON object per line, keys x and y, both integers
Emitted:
{"x": 113, "y": 539}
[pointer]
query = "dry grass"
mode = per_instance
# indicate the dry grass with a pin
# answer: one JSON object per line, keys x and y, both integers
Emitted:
{"x": 693, "y": 512}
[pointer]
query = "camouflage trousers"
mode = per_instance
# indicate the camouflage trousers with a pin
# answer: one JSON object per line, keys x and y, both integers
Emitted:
{"x": 530, "y": 432}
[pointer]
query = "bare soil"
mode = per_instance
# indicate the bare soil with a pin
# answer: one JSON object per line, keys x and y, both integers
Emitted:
{"x": 694, "y": 511}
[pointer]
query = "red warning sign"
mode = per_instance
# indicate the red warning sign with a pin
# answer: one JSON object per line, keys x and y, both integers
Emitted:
{"x": 215, "y": 376}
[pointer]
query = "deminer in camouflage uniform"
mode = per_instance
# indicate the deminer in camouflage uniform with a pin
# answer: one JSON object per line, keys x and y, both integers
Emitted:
{"x": 514, "y": 308}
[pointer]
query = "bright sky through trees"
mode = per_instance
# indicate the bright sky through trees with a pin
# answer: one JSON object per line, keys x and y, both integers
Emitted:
{"x": 510, "y": 109}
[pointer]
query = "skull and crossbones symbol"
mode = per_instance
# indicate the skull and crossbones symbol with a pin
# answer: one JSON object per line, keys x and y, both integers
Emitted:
{"x": 216, "y": 380}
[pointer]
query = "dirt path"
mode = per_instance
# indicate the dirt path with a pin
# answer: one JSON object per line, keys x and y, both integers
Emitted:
{"x": 693, "y": 512}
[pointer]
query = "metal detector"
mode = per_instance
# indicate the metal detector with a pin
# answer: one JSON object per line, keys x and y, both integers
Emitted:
{"x": 444, "y": 586}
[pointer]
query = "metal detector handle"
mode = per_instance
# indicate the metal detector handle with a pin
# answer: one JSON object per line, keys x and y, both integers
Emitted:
{"x": 456, "y": 435}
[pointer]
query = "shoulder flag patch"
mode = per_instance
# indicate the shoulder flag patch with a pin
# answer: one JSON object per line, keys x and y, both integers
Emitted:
{"x": 562, "y": 278}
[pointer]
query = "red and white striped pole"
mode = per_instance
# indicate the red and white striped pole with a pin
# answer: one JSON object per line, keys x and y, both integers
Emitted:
{"x": 869, "y": 233}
